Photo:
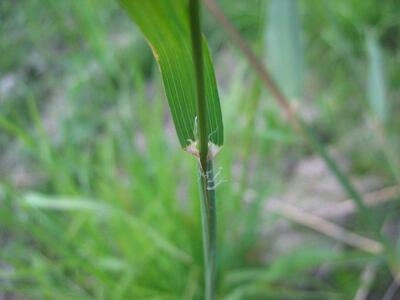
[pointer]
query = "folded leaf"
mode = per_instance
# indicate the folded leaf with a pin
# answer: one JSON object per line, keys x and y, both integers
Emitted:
{"x": 165, "y": 25}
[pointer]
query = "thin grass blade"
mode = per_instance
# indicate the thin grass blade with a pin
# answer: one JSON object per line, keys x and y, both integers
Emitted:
{"x": 98, "y": 208}
{"x": 376, "y": 79}
{"x": 285, "y": 55}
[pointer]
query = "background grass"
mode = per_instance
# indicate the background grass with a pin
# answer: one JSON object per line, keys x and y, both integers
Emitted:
{"x": 97, "y": 201}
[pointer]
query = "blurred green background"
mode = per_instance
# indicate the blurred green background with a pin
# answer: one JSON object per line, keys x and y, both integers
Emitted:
{"x": 97, "y": 201}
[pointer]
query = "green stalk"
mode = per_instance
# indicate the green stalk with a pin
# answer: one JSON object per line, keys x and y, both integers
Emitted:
{"x": 208, "y": 211}
{"x": 209, "y": 226}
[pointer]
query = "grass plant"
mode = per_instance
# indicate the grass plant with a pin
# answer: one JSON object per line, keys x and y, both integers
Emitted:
{"x": 97, "y": 203}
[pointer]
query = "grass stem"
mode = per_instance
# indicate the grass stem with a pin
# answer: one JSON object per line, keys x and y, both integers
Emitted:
{"x": 208, "y": 210}
{"x": 209, "y": 225}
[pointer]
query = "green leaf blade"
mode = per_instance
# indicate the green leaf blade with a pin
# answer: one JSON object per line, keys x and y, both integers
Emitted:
{"x": 376, "y": 79}
{"x": 284, "y": 45}
{"x": 165, "y": 25}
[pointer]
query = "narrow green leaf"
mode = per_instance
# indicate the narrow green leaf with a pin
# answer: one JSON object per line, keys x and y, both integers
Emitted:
{"x": 376, "y": 79}
{"x": 284, "y": 47}
{"x": 74, "y": 204}
{"x": 165, "y": 24}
